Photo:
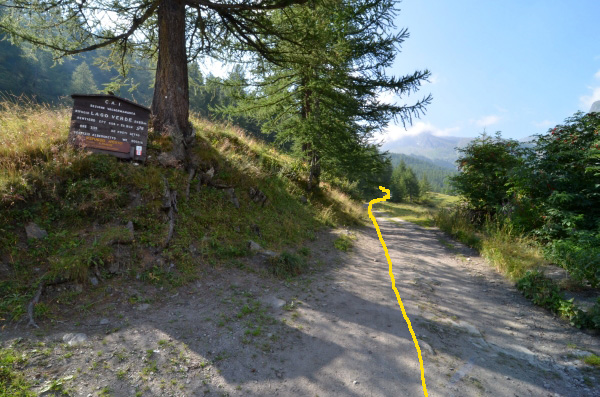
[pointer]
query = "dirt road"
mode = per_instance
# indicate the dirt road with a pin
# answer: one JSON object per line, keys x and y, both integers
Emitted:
{"x": 335, "y": 332}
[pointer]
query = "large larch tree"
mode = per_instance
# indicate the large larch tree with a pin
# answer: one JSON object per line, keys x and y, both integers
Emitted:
{"x": 324, "y": 92}
{"x": 174, "y": 31}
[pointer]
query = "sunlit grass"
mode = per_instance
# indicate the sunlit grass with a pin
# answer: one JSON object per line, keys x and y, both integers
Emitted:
{"x": 421, "y": 213}
{"x": 78, "y": 197}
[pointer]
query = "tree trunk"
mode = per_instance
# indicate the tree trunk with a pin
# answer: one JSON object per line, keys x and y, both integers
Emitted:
{"x": 171, "y": 101}
{"x": 314, "y": 176}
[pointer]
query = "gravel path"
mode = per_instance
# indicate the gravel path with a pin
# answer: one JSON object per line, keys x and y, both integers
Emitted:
{"x": 337, "y": 331}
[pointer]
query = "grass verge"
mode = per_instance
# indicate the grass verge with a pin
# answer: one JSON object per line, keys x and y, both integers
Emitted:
{"x": 518, "y": 257}
{"x": 12, "y": 383}
{"x": 104, "y": 216}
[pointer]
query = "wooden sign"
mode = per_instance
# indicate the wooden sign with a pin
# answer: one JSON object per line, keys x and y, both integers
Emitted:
{"x": 109, "y": 124}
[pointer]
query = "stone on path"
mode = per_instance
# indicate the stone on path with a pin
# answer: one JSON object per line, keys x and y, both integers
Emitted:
{"x": 252, "y": 246}
{"x": 74, "y": 339}
{"x": 34, "y": 231}
{"x": 273, "y": 301}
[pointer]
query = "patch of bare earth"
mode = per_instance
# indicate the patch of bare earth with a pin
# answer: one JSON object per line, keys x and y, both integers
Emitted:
{"x": 337, "y": 330}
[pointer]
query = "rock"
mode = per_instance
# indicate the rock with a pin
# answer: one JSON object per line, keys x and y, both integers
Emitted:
{"x": 580, "y": 353}
{"x": 114, "y": 268}
{"x": 74, "y": 339}
{"x": 167, "y": 160}
{"x": 257, "y": 196}
{"x": 237, "y": 229}
{"x": 355, "y": 382}
{"x": 424, "y": 346}
{"x": 204, "y": 178}
{"x": 136, "y": 199}
{"x": 268, "y": 253}
{"x": 94, "y": 281}
{"x": 130, "y": 228}
{"x": 252, "y": 246}
{"x": 104, "y": 321}
{"x": 232, "y": 197}
{"x": 273, "y": 301}
{"x": 143, "y": 306}
{"x": 34, "y": 231}
{"x": 303, "y": 199}
{"x": 469, "y": 328}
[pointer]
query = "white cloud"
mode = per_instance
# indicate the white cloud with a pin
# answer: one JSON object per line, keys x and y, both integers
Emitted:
{"x": 587, "y": 100}
{"x": 487, "y": 120}
{"x": 394, "y": 132}
{"x": 388, "y": 97}
{"x": 544, "y": 124}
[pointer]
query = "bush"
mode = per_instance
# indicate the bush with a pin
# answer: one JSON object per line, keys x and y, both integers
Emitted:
{"x": 579, "y": 255}
{"x": 344, "y": 242}
{"x": 287, "y": 265}
{"x": 486, "y": 166}
{"x": 456, "y": 223}
{"x": 544, "y": 292}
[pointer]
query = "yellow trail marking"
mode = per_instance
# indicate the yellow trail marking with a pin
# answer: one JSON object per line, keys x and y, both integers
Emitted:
{"x": 387, "y": 255}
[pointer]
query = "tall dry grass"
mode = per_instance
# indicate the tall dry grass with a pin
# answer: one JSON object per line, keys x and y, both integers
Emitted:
{"x": 31, "y": 134}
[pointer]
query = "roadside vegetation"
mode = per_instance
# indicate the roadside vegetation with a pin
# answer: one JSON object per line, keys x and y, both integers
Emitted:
{"x": 105, "y": 218}
{"x": 421, "y": 212}
{"x": 12, "y": 383}
{"x": 525, "y": 208}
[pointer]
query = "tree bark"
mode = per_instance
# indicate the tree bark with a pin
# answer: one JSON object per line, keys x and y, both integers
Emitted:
{"x": 314, "y": 176}
{"x": 170, "y": 104}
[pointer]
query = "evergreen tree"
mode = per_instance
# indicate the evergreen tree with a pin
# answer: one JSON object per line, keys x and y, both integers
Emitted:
{"x": 397, "y": 187}
{"x": 424, "y": 185}
{"x": 176, "y": 31}
{"x": 411, "y": 184}
{"x": 82, "y": 81}
{"x": 323, "y": 94}
{"x": 404, "y": 184}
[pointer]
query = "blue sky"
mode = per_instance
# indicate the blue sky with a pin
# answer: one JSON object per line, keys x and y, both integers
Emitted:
{"x": 519, "y": 67}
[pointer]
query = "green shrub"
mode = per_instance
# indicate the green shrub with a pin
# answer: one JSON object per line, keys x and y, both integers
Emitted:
{"x": 456, "y": 223}
{"x": 287, "y": 265}
{"x": 593, "y": 314}
{"x": 580, "y": 256}
{"x": 544, "y": 292}
{"x": 486, "y": 165}
{"x": 541, "y": 290}
{"x": 12, "y": 384}
{"x": 344, "y": 242}
{"x": 592, "y": 360}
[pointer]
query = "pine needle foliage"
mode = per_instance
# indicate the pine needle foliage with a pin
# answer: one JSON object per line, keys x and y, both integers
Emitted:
{"x": 323, "y": 95}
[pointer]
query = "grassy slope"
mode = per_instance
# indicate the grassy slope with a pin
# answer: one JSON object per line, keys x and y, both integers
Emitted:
{"x": 85, "y": 200}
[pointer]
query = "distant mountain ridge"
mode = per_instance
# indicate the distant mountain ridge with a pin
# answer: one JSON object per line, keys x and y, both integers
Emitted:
{"x": 439, "y": 149}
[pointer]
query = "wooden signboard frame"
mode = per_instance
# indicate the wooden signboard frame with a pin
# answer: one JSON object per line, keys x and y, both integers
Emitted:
{"x": 109, "y": 124}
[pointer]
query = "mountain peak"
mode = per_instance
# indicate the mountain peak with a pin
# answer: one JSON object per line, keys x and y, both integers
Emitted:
{"x": 428, "y": 145}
